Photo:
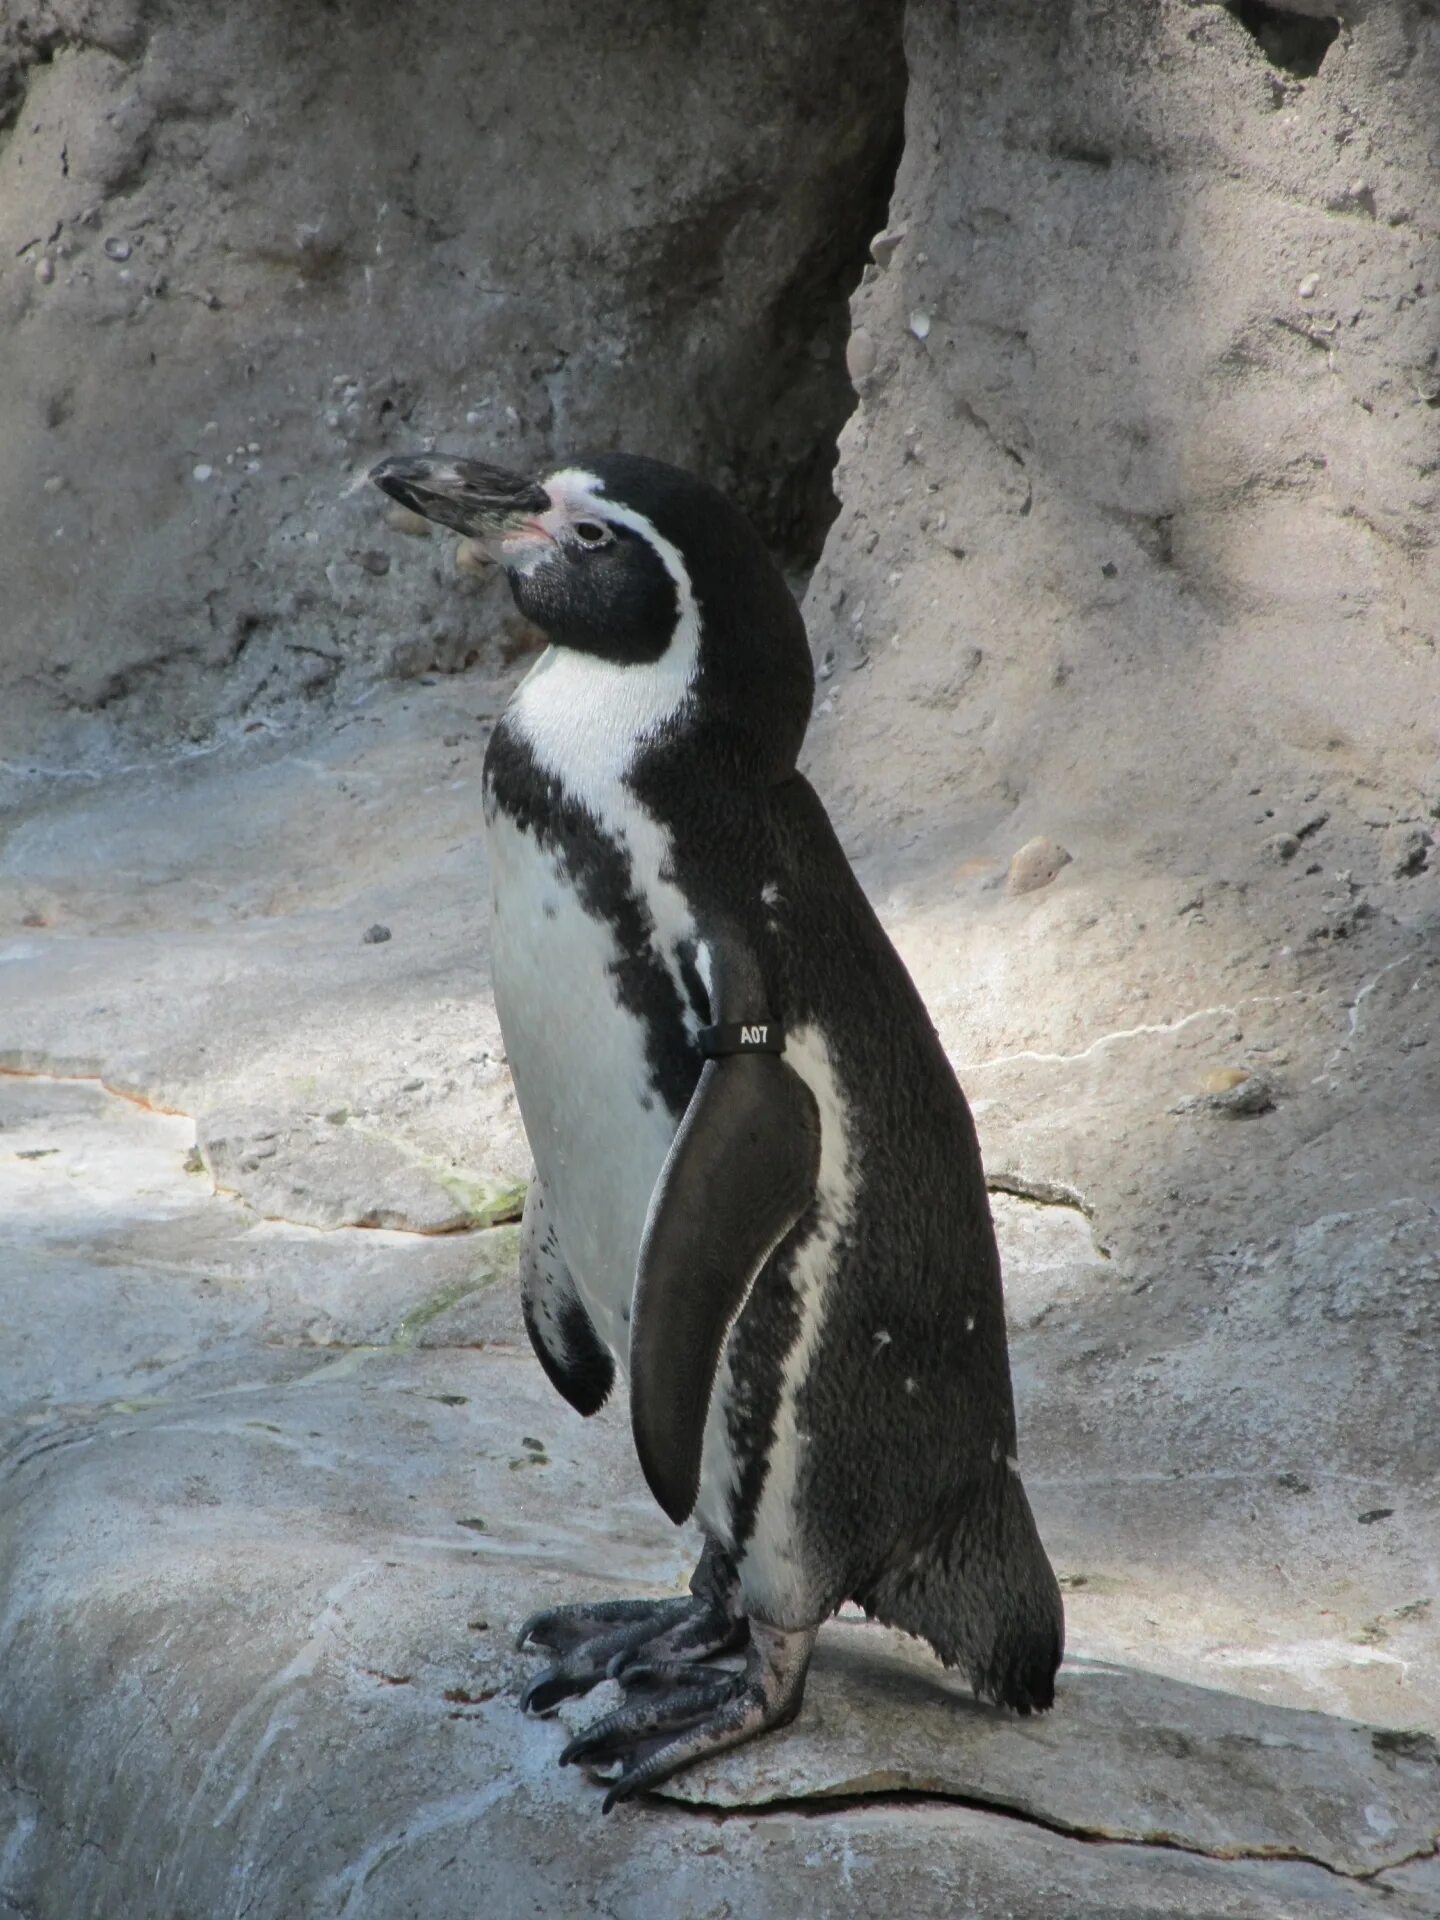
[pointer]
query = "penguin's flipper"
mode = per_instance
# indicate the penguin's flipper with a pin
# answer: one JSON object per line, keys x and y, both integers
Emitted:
{"x": 565, "y": 1342}
{"x": 740, "y": 1172}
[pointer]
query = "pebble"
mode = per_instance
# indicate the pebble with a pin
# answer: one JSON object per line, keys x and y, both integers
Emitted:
{"x": 45, "y": 271}
{"x": 373, "y": 561}
{"x": 405, "y": 520}
{"x": 1233, "y": 1091}
{"x": 1224, "y": 1078}
{"x": 1309, "y": 286}
{"x": 1406, "y": 850}
{"x": 860, "y": 354}
{"x": 118, "y": 249}
{"x": 882, "y": 247}
{"x": 54, "y": 483}
{"x": 1036, "y": 864}
{"x": 920, "y": 324}
{"x": 375, "y": 936}
{"x": 1280, "y": 847}
{"x": 203, "y": 472}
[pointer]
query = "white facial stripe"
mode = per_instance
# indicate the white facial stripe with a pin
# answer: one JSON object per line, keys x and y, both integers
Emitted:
{"x": 578, "y": 495}
{"x": 588, "y": 719}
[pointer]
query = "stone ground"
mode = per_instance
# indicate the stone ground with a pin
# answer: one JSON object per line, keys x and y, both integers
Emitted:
{"x": 280, "y": 1477}
{"x": 1135, "y": 560}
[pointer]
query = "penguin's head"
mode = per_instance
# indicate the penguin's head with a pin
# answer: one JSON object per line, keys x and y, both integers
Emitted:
{"x": 645, "y": 567}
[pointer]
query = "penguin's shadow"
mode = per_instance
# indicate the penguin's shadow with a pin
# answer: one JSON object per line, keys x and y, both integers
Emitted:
{"x": 1124, "y": 1755}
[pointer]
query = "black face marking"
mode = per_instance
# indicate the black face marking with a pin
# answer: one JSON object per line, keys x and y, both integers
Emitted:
{"x": 755, "y": 682}
{"x": 599, "y": 870}
{"x": 612, "y": 597}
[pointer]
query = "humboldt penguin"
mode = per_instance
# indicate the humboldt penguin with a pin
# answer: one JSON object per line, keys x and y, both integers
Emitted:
{"x": 758, "y": 1192}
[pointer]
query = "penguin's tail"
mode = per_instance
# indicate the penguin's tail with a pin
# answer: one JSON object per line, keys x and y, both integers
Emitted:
{"x": 980, "y": 1589}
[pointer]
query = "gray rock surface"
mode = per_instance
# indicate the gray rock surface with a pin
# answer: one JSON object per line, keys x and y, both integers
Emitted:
{"x": 261, "y": 1478}
{"x": 274, "y": 1502}
{"x": 1135, "y": 559}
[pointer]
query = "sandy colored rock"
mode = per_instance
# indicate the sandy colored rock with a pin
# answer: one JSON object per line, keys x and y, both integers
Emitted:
{"x": 1036, "y": 864}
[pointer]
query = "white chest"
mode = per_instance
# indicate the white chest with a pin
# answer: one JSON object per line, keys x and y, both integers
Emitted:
{"x": 571, "y": 936}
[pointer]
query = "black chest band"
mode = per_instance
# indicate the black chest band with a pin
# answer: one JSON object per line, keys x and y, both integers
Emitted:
{"x": 733, "y": 1036}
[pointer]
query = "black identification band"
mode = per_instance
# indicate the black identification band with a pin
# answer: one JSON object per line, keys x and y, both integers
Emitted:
{"x": 766, "y": 1036}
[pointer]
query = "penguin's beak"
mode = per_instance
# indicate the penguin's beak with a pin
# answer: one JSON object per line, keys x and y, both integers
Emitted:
{"x": 486, "y": 503}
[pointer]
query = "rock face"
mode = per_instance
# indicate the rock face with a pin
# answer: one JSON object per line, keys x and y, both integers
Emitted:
{"x": 246, "y": 250}
{"x": 1127, "y": 640}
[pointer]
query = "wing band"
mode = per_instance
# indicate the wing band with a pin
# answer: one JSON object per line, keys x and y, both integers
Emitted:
{"x": 739, "y": 1036}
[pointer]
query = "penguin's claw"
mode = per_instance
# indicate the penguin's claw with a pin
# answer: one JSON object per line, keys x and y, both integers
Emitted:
{"x": 559, "y": 1629}
{"x": 604, "y": 1641}
{"x": 706, "y": 1716}
{"x": 644, "y": 1721}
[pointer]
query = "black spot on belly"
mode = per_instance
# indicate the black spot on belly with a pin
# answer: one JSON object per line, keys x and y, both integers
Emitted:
{"x": 599, "y": 869}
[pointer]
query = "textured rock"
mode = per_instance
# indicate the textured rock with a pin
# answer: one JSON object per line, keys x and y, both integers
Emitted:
{"x": 242, "y": 254}
{"x": 263, "y": 1551}
{"x": 1036, "y": 864}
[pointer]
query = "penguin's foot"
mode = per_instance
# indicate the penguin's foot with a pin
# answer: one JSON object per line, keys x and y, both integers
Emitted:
{"x": 702, "y": 1711}
{"x": 613, "y": 1638}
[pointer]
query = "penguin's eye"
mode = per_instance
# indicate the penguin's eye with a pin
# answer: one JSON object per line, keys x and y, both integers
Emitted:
{"x": 592, "y": 533}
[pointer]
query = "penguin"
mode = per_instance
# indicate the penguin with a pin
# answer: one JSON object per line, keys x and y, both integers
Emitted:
{"x": 758, "y": 1193}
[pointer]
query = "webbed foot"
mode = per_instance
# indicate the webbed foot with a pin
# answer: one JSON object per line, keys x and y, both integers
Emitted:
{"x": 611, "y": 1638}
{"x": 696, "y": 1711}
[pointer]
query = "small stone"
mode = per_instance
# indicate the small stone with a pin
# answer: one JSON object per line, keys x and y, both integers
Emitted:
{"x": 470, "y": 557}
{"x": 54, "y": 483}
{"x": 203, "y": 472}
{"x": 116, "y": 249}
{"x": 882, "y": 247}
{"x": 861, "y": 355}
{"x": 1036, "y": 864}
{"x": 375, "y": 936}
{"x": 45, "y": 271}
{"x": 405, "y": 520}
{"x": 1224, "y": 1078}
{"x": 412, "y": 1086}
{"x": 1309, "y": 286}
{"x": 1406, "y": 850}
{"x": 373, "y": 561}
{"x": 1232, "y": 1091}
{"x": 920, "y": 324}
{"x": 1280, "y": 847}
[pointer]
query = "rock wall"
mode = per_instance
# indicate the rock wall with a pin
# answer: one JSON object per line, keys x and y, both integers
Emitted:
{"x": 1137, "y": 556}
{"x": 245, "y": 250}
